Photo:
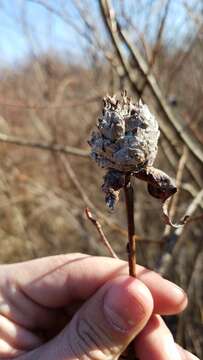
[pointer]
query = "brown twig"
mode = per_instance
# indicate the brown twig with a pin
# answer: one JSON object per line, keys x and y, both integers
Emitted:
{"x": 156, "y": 49}
{"x": 88, "y": 203}
{"x": 129, "y": 199}
{"x": 103, "y": 238}
{"x": 108, "y": 18}
{"x": 71, "y": 103}
{"x": 195, "y": 218}
{"x": 113, "y": 225}
{"x": 70, "y": 150}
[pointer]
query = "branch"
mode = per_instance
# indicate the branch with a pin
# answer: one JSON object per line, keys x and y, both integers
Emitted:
{"x": 62, "y": 15}
{"x": 157, "y": 46}
{"x": 103, "y": 238}
{"x": 104, "y": 219}
{"x": 69, "y": 150}
{"x": 72, "y": 102}
{"x": 113, "y": 33}
{"x": 131, "y": 247}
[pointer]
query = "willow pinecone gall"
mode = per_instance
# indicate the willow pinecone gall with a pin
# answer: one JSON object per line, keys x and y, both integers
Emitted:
{"x": 126, "y": 137}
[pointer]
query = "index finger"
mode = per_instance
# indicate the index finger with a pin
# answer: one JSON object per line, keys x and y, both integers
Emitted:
{"x": 60, "y": 280}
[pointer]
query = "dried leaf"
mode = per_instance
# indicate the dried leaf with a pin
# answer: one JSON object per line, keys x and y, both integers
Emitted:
{"x": 160, "y": 185}
{"x": 114, "y": 181}
{"x": 167, "y": 220}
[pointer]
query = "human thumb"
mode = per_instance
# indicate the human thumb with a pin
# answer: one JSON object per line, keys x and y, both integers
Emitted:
{"x": 105, "y": 324}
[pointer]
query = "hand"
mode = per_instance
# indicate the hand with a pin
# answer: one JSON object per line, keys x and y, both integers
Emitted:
{"x": 82, "y": 307}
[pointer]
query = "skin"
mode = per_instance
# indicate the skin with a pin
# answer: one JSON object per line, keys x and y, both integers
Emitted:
{"x": 48, "y": 304}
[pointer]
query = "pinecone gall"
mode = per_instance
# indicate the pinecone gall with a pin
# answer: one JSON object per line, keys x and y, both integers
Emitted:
{"x": 126, "y": 143}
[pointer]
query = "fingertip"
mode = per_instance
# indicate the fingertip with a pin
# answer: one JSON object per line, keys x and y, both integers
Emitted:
{"x": 131, "y": 300}
{"x": 177, "y": 298}
{"x": 169, "y": 298}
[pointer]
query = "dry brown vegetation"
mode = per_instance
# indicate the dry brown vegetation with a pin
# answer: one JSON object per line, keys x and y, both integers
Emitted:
{"x": 43, "y": 192}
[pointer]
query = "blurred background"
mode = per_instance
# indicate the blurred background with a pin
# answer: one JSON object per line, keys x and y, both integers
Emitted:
{"x": 58, "y": 60}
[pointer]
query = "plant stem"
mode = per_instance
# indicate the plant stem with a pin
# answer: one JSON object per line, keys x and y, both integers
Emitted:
{"x": 103, "y": 238}
{"x": 129, "y": 199}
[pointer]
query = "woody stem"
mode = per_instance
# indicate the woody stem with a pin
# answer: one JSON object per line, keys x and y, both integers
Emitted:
{"x": 131, "y": 247}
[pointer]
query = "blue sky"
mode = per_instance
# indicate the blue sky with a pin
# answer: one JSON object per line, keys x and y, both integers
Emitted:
{"x": 27, "y": 28}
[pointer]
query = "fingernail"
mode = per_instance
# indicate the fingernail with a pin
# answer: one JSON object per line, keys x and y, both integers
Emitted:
{"x": 180, "y": 294}
{"x": 179, "y": 290}
{"x": 125, "y": 304}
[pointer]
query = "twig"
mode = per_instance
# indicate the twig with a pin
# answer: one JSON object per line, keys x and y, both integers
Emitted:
{"x": 71, "y": 173}
{"x": 113, "y": 225}
{"x": 72, "y": 103}
{"x": 70, "y": 150}
{"x": 129, "y": 199}
{"x": 172, "y": 244}
{"x": 108, "y": 18}
{"x": 103, "y": 238}
{"x": 195, "y": 218}
{"x": 157, "y": 46}
{"x": 175, "y": 199}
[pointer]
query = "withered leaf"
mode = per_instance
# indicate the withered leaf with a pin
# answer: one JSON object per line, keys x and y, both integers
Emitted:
{"x": 162, "y": 187}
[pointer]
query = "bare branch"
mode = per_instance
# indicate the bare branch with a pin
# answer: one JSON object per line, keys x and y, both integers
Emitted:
{"x": 69, "y": 150}
{"x": 103, "y": 238}
{"x": 108, "y": 17}
{"x": 157, "y": 46}
{"x": 72, "y": 103}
